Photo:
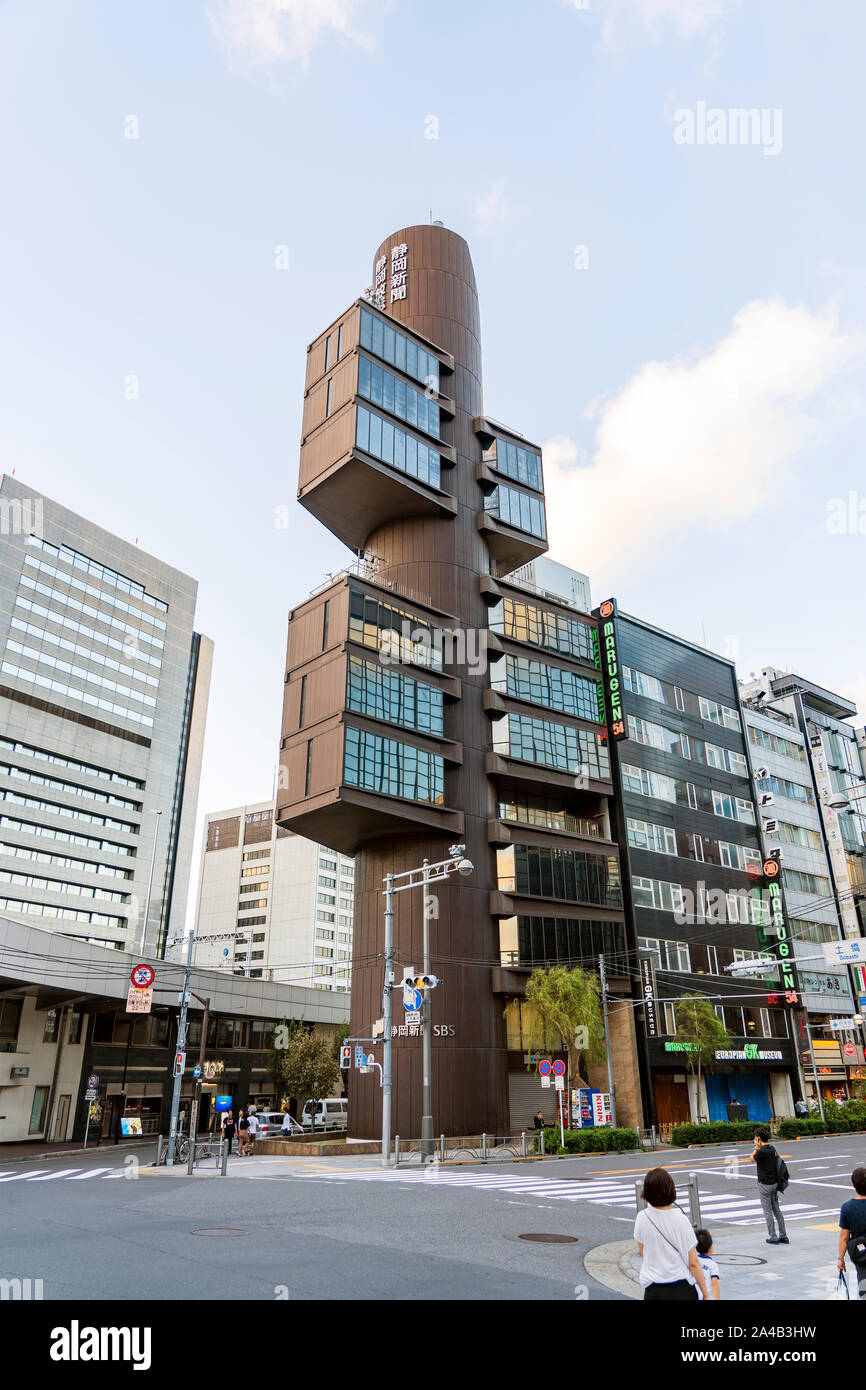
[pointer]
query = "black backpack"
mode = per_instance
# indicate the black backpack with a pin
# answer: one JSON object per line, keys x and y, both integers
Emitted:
{"x": 783, "y": 1177}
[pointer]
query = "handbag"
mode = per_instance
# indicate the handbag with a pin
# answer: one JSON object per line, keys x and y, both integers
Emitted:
{"x": 841, "y": 1293}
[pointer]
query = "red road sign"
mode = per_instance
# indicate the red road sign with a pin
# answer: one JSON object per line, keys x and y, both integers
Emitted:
{"x": 544, "y": 1069}
{"x": 142, "y": 976}
{"x": 559, "y": 1068}
{"x": 849, "y": 1048}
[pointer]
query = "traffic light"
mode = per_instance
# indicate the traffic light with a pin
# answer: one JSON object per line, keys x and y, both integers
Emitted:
{"x": 422, "y": 981}
{"x": 345, "y": 1056}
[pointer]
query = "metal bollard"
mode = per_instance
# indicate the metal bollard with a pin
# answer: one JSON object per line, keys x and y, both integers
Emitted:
{"x": 523, "y": 1143}
{"x": 225, "y": 1156}
{"x": 160, "y": 1150}
{"x": 442, "y": 1148}
{"x": 694, "y": 1200}
{"x": 484, "y": 1148}
{"x": 541, "y": 1132}
{"x": 396, "y": 1149}
{"x": 639, "y": 1201}
{"x": 191, "y": 1161}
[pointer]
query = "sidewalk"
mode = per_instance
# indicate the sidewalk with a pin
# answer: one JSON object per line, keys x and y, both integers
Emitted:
{"x": 12, "y": 1153}
{"x": 749, "y": 1269}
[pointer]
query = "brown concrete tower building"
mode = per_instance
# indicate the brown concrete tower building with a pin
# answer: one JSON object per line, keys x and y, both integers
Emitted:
{"x": 411, "y": 716}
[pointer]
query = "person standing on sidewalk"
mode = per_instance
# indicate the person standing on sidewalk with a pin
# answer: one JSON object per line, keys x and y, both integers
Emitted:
{"x": 243, "y": 1133}
{"x": 670, "y": 1269}
{"x": 852, "y": 1230}
{"x": 228, "y": 1128}
{"x": 767, "y": 1160}
{"x": 252, "y": 1131}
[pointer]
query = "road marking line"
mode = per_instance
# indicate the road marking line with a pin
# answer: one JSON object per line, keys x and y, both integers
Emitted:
{"x": 46, "y": 1177}
{"x": 90, "y": 1173}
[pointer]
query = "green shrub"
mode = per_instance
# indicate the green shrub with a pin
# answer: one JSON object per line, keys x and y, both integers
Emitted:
{"x": 799, "y": 1129}
{"x": 714, "y": 1133}
{"x": 585, "y": 1141}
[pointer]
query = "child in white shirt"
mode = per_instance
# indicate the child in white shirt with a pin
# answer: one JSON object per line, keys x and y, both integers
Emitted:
{"x": 707, "y": 1263}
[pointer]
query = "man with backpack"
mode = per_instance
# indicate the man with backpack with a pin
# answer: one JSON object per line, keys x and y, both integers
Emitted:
{"x": 852, "y": 1230}
{"x": 773, "y": 1178}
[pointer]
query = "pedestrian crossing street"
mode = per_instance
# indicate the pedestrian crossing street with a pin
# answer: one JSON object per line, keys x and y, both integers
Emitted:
{"x": 736, "y": 1208}
{"x": 70, "y": 1174}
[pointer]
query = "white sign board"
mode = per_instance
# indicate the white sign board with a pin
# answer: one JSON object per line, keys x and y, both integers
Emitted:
{"x": 138, "y": 1001}
{"x": 845, "y": 952}
{"x": 413, "y": 1019}
{"x": 560, "y": 1083}
{"x": 545, "y": 1081}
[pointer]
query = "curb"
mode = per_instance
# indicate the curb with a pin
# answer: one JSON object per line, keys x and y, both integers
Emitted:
{"x": 104, "y": 1149}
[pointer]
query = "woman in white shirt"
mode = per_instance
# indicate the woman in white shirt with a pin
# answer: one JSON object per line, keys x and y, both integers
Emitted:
{"x": 671, "y": 1270}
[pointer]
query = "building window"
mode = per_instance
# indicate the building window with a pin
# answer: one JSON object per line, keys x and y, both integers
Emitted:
{"x": 328, "y": 394}
{"x": 49, "y": 1032}
{"x": 303, "y": 702}
{"x": 339, "y": 342}
{"x": 659, "y": 838}
{"x": 73, "y": 1034}
{"x": 541, "y": 627}
{"x": 518, "y": 509}
{"x": 394, "y": 446}
{"x": 552, "y": 745}
{"x": 37, "y": 1112}
{"x": 381, "y": 388}
{"x": 326, "y": 618}
{"x": 379, "y": 693}
{"x": 398, "y": 349}
{"x": 308, "y": 774}
{"x": 517, "y": 462}
{"x": 329, "y": 344}
{"x": 640, "y": 684}
{"x": 383, "y": 627}
{"x": 10, "y": 1018}
{"x": 572, "y": 875}
{"x": 396, "y": 769}
{"x": 719, "y": 714}
{"x": 523, "y": 678}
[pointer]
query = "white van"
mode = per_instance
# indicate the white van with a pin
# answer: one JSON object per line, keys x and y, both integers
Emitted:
{"x": 330, "y": 1114}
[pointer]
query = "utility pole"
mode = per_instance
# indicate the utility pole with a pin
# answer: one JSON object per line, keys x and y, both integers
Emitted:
{"x": 196, "y": 1098}
{"x": 180, "y": 1047}
{"x": 603, "y": 975}
{"x": 426, "y": 1032}
{"x": 387, "y": 1010}
{"x": 814, "y": 1068}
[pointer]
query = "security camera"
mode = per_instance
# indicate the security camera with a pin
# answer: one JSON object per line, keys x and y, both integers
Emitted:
{"x": 465, "y": 867}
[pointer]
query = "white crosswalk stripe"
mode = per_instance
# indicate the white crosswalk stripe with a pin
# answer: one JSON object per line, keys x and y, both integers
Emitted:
{"x": 736, "y": 1208}
{"x": 47, "y": 1177}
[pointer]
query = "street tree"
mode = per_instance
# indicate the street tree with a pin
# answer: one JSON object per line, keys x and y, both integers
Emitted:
{"x": 567, "y": 1004}
{"x": 309, "y": 1069}
{"x": 701, "y": 1033}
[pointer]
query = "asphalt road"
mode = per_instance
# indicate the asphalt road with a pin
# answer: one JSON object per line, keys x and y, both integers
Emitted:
{"x": 97, "y": 1227}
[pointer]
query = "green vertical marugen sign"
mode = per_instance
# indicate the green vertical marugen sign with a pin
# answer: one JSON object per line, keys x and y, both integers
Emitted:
{"x": 610, "y": 670}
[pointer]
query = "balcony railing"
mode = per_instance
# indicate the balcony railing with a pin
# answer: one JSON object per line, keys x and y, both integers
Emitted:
{"x": 371, "y": 568}
{"x": 551, "y": 820}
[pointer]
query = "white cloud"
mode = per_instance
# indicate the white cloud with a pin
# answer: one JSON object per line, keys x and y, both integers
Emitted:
{"x": 691, "y": 446}
{"x": 649, "y": 21}
{"x": 251, "y": 33}
{"x": 490, "y": 209}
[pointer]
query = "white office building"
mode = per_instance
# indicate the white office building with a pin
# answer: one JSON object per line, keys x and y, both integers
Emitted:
{"x": 288, "y": 902}
{"x": 103, "y": 696}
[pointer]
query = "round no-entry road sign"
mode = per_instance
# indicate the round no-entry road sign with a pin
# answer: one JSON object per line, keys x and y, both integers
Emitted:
{"x": 849, "y": 1049}
{"x": 92, "y": 1082}
{"x": 559, "y": 1068}
{"x": 142, "y": 976}
{"x": 544, "y": 1069}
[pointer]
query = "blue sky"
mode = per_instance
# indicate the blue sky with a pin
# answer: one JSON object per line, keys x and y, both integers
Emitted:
{"x": 699, "y": 383}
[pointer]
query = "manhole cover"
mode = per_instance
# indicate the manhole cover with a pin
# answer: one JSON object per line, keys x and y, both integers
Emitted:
{"x": 219, "y": 1231}
{"x": 739, "y": 1260}
{"x": 549, "y": 1238}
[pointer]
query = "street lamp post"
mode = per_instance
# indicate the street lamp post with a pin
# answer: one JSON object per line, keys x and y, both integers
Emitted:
{"x": 416, "y": 878}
